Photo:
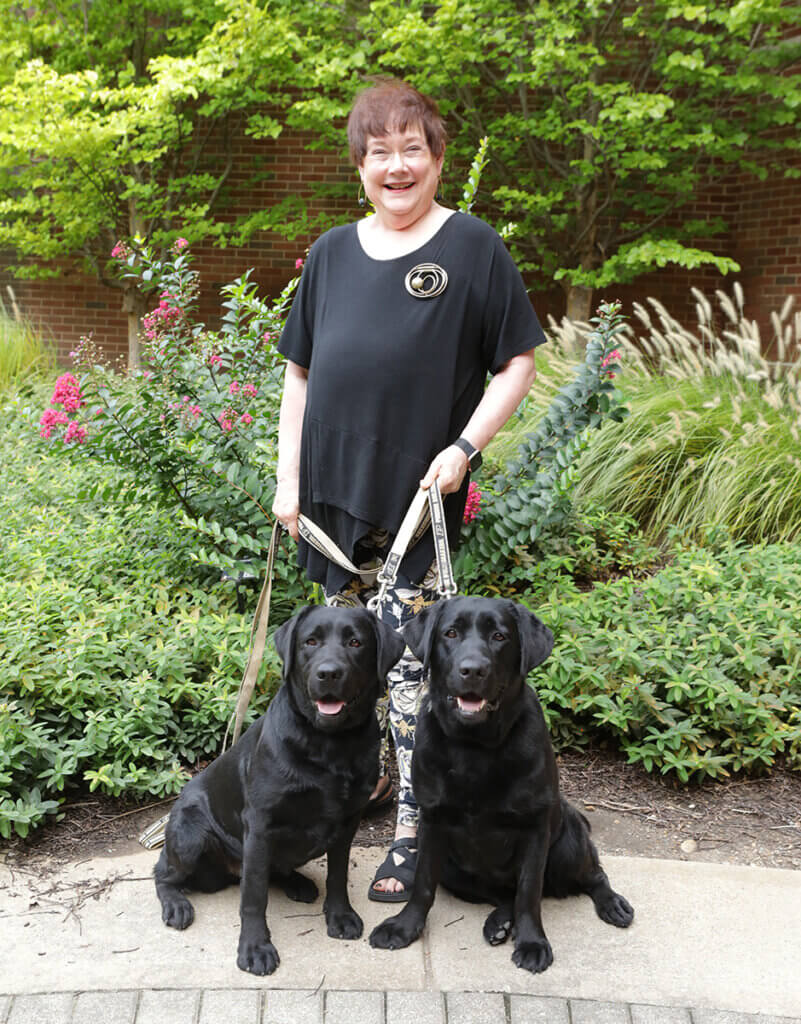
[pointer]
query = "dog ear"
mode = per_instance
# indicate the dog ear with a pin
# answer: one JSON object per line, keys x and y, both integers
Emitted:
{"x": 536, "y": 640}
{"x": 284, "y": 640}
{"x": 419, "y": 632}
{"x": 390, "y": 645}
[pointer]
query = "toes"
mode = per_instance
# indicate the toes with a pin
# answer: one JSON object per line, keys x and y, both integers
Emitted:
{"x": 533, "y": 956}
{"x": 346, "y": 925}
{"x": 258, "y": 958}
{"x": 177, "y": 914}
{"x": 616, "y": 910}
{"x": 498, "y": 927}
{"x": 389, "y": 936}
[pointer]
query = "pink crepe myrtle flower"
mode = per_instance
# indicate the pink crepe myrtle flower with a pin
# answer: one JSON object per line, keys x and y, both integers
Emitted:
{"x": 246, "y": 418}
{"x": 67, "y": 392}
{"x": 267, "y": 337}
{"x": 179, "y": 243}
{"x": 298, "y": 263}
{"x": 215, "y": 360}
{"x": 250, "y": 390}
{"x": 51, "y": 418}
{"x": 194, "y": 410}
{"x": 234, "y": 387}
{"x": 473, "y": 503}
{"x": 74, "y": 433}
{"x": 226, "y": 419}
{"x": 613, "y": 357}
{"x": 120, "y": 251}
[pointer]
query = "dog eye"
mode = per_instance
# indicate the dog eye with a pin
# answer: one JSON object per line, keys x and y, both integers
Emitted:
{"x": 450, "y": 633}
{"x": 497, "y": 635}
{"x": 353, "y": 642}
{"x": 311, "y": 641}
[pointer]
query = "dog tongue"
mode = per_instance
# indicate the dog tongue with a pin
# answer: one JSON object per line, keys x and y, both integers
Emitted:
{"x": 470, "y": 704}
{"x": 330, "y": 707}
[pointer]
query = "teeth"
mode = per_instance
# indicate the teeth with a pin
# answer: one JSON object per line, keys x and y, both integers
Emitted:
{"x": 470, "y": 707}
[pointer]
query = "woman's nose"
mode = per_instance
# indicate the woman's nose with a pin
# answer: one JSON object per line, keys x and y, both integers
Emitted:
{"x": 396, "y": 161}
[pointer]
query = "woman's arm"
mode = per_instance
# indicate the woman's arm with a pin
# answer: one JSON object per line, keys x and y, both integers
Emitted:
{"x": 505, "y": 392}
{"x": 286, "y": 505}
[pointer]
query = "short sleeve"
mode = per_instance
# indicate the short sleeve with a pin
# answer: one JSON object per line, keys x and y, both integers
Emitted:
{"x": 297, "y": 336}
{"x": 511, "y": 326}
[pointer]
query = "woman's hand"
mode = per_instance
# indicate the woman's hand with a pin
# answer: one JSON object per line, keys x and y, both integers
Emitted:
{"x": 448, "y": 469}
{"x": 286, "y": 507}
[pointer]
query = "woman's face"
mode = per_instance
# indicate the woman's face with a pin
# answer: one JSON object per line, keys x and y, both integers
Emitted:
{"x": 400, "y": 176}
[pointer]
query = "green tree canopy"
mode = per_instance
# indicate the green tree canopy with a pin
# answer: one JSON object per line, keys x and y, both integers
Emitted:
{"x": 606, "y": 118}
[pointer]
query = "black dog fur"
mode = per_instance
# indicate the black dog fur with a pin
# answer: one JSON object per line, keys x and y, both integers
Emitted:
{"x": 493, "y": 827}
{"x": 292, "y": 788}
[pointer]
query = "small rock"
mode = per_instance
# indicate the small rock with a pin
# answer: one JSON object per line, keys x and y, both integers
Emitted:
{"x": 689, "y": 846}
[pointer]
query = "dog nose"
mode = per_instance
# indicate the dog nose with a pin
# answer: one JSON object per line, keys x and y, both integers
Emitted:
{"x": 473, "y": 669}
{"x": 329, "y": 672}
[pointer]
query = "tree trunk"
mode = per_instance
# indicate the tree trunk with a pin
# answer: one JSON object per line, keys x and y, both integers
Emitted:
{"x": 579, "y": 302}
{"x": 133, "y": 303}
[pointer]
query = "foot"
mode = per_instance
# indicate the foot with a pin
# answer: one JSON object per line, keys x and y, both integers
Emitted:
{"x": 402, "y": 859}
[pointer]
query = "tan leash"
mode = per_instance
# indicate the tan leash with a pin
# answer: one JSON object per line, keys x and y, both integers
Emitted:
{"x": 426, "y": 507}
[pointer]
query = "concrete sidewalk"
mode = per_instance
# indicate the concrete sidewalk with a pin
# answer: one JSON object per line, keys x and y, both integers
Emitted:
{"x": 710, "y": 944}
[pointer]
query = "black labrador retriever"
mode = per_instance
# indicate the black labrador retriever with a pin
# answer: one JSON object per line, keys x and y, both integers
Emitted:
{"x": 493, "y": 827}
{"x": 292, "y": 788}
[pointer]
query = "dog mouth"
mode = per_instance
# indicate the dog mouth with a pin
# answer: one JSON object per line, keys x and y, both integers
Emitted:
{"x": 328, "y": 707}
{"x": 471, "y": 704}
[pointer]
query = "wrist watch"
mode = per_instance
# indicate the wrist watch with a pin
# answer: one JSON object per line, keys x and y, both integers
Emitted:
{"x": 474, "y": 459}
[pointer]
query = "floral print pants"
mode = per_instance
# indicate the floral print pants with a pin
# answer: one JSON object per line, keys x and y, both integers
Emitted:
{"x": 397, "y": 709}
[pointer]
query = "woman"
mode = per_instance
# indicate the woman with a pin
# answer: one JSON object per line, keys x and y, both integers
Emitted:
{"x": 396, "y": 322}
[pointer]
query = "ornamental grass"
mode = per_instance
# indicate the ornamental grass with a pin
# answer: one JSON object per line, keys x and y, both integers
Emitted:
{"x": 713, "y": 439}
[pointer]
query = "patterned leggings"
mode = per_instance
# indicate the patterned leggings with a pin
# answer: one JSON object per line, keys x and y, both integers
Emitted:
{"x": 397, "y": 709}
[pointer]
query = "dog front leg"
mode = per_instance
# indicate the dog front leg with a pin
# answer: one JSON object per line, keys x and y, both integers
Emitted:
{"x": 401, "y": 930}
{"x": 256, "y": 953}
{"x": 341, "y": 919}
{"x": 532, "y": 950}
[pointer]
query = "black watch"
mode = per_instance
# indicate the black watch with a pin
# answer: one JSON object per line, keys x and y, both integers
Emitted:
{"x": 474, "y": 459}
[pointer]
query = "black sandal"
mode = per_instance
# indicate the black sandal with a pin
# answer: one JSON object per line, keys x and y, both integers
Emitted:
{"x": 382, "y": 798}
{"x": 401, "y": 863}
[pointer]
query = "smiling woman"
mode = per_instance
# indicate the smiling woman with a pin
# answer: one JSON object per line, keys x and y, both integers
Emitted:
{"x": 397, "y": 321}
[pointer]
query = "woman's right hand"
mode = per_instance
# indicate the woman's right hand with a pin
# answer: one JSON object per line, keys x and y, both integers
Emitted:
{"x": 286, "y": 507}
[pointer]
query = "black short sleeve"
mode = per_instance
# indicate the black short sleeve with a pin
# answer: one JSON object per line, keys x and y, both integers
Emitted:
{"x": 511, "y": 326}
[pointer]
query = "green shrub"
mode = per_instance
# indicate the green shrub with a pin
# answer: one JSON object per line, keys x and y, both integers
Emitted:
{"x": 120, "y": 657}
{"x": 693, "y": 671}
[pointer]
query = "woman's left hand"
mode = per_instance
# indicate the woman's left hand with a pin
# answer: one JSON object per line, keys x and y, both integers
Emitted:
{"x": 448, "y": 469}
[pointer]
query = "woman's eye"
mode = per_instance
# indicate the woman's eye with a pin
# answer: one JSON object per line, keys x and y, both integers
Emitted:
{"x": 353, "y": 642}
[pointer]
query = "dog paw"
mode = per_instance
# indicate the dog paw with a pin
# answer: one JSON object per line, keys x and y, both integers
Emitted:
{"x": 498, "y": 926}
{"x": 345, "y": 924}
{"x": 533, "y": 956}
{"x": 299, "y": 888}
{"x": 392, "y": 935}
{"x": 616, "y": 909}
{"x": 177, "y": 913}
{"x": 257, "y": 957}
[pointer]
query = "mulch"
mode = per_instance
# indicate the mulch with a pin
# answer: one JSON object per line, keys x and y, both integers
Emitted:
{"x": 741, "y": 820}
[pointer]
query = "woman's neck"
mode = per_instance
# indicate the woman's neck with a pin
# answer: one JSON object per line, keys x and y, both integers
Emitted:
{"x": 382, "y": 240}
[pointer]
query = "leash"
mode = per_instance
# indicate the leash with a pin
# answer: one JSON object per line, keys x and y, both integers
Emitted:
{"x": 426, "y": 508}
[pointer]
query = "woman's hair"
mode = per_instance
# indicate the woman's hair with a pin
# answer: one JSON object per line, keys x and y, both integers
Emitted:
{"x": 392, "y": 105}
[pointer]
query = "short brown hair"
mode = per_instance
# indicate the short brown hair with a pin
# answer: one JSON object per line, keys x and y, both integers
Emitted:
{"x": 393, "y": 105}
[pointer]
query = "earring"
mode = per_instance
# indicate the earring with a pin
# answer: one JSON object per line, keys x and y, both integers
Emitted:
{"x": 361, "y": 200}
{"x": 440, "y": 195}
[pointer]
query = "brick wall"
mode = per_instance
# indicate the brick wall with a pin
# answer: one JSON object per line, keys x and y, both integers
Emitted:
{"x": 764, "y": 237}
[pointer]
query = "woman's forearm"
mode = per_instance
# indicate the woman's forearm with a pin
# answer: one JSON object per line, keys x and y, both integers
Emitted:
{"x": 290, "y": 425}
{"x": 504, "y": 393}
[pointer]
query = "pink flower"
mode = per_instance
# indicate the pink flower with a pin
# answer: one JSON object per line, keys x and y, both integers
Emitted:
{"x": 267, "y": 337}
{"x": 120, "y": 251}
{"x": 180, "y": 243}
{"x": 473, "y": 503}
{"x": 249, "y": 390}
{"x": 214, "y": 360}
{"x": 613, "y": 357}
{"x": 195, "y": 410}
{"x": 75, "y": 433}
{"x": 67, "y": 392}
{"x": 226, "y": 419}
{"x": 246, "y": 418}
{"x": 298, "y": 263}
{"x": 234, "y": 388}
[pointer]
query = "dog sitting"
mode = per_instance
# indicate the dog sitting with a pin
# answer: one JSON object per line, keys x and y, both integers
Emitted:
{"x": 292, "y": 788}
{"x": 493, "y": 827}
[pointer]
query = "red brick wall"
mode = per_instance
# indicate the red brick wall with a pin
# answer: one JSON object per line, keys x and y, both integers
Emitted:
{"x": 764, "y": 237}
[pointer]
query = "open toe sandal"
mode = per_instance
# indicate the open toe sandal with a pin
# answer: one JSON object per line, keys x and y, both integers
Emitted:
{"x": 400, "y": 863}
{"x": 381, "y": 799}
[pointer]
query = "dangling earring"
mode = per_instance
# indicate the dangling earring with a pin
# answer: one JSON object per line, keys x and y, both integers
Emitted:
{"x": 439, "y": 196}
{"x": 361, "y": 200}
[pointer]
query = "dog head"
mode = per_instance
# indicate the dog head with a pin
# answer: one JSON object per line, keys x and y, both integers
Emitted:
{"x": 335, "y": 660}
{"x": 478, "y": 652}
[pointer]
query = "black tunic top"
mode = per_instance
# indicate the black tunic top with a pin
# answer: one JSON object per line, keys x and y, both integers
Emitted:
{"x": 393, "y": 379}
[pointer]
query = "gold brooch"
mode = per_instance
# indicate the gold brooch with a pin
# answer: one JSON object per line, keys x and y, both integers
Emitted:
{"x": 426, "y": 280}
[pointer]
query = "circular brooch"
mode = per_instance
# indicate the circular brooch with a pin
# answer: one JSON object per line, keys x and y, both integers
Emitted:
{"x": 426, "y": 281}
